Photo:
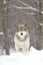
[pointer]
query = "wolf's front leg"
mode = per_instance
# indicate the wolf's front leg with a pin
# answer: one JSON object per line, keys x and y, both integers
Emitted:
{"x": 16, "y": 47}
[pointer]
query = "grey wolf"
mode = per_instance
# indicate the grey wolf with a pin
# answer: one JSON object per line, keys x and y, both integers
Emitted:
{"x": 22, "y": 38}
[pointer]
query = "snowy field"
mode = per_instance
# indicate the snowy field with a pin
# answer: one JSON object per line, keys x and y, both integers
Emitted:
{"x": 33, "y": 57}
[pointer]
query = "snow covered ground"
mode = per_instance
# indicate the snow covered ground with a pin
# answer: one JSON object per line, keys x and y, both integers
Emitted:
{"x": 33, "y": 57}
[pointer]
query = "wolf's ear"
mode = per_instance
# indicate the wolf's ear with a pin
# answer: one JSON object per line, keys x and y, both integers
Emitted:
{"x": 25, "y": 25}
{"x": 16, "y": 26}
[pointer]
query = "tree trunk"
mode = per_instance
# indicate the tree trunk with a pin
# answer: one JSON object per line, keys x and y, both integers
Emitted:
{"x": 5, "y": 25}
{"x": 38, "y": 26}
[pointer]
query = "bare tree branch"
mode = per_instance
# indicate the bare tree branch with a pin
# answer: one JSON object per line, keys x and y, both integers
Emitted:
{"x": 14, "y": 6}
{"x": 27, "y": 6}
{"x": 23, "y": 3}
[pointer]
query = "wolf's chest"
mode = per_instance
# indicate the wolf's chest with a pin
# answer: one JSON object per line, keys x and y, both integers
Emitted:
{"x": 21, "y": 45}
{"x": 24, "y": 42}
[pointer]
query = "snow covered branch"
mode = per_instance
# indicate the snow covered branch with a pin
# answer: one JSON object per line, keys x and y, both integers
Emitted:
{"x": 41, "y": 24}
{"x": 27, "y": 7}
{"x": 23, "y": 3}
{"x": 42, "y": 12}
{"x": 17, "y": 7}
{"x": 1, "y": 33}
{"x": 4, "y": 2}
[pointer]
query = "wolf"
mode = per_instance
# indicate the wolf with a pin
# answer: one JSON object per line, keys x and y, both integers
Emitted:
{"x": 22, "y": 38}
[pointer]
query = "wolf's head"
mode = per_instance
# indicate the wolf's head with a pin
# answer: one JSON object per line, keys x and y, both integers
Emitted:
{"x": 21, "y": 31}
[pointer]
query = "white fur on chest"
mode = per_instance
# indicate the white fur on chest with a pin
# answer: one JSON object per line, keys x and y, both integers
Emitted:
{"x": 25, "y": 44}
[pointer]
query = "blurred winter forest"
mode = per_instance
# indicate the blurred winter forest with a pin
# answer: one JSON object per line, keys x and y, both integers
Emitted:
{"x": 14, "y": 12}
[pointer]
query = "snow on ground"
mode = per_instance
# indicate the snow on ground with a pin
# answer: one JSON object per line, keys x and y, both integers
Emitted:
{"x": 32, "y": 57}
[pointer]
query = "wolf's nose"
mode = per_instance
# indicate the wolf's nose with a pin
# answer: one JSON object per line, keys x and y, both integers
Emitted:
{"x": 21, "y": 33}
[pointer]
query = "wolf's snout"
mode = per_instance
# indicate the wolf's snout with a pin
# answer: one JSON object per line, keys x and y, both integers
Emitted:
{"x": 21, "y": 33}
